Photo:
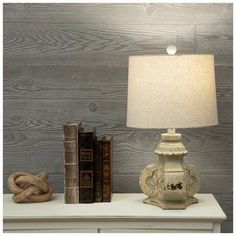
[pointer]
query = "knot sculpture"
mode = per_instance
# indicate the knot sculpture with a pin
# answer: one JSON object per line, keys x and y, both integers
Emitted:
{"x": 29, "y": 188}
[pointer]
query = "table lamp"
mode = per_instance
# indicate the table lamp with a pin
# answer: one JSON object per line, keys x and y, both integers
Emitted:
{"x": 171, "y": 91}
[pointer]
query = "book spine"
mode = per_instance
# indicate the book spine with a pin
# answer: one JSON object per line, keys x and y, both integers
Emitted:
{"x": 107, "y": 175}
{"x": 98, "y": 171}
{"x": 71, "y": 184}
{"x": 86, "y": 142}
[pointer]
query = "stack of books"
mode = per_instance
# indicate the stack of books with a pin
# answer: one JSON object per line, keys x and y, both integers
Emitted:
{"x": 87, "y": 162}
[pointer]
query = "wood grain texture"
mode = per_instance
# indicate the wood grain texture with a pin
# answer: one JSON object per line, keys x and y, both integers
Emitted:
{"x": 33, "y": 151}
{"x": 120, "y": 14}
{"x": 70, "y": 61}
{"x": 96, "y": 89}
{"x": 76, "y": 43}
{"x": 69, "y": 81}
{"x": 224, "y": 91}
{"x": 97, "y": 84}
{"x": 217, "y": 40}
{"x": 102, "y": 114}
{"x": 36, "y": 114}
{"x": 65, "y": 82}
{"x": 132, "y": 150}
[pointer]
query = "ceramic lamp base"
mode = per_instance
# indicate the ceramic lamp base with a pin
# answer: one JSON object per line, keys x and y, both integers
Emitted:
{"x": 170, "y": 183}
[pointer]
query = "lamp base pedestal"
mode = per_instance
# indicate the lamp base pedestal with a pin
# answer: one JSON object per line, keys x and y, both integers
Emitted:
{"x": 170, "y": 183}
{"x": 170, "y": 205}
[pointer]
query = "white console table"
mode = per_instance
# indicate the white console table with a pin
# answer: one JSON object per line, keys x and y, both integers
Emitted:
{"x": 126, "y": 213}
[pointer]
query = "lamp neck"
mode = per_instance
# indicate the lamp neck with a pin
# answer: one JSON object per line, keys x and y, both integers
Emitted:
{"x": 171, "y": 131}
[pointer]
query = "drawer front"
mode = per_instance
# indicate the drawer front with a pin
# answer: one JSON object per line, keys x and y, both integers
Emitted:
{"x": 108, "y": 226}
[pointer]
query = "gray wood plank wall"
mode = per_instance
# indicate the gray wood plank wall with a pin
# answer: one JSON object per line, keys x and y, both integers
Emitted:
{"x": 69, "y": 61}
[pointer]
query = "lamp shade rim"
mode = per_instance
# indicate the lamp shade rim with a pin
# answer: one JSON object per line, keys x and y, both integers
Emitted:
{"x": 176, "y": 55}
{"x": 166, "y": 127}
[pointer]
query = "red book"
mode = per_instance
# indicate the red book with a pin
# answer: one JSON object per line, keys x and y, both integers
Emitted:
{"x": 107, "y": 169}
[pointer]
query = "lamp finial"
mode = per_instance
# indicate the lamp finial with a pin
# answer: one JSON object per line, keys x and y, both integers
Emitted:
{"x": 171, "y": 50}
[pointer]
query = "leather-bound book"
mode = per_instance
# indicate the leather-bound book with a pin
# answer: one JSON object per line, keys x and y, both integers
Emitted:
{"x": 71, "y": 181}
{"x": 107, "y": 169}
{"x": 98, "y": 169}
{"x": 86, "y": 143}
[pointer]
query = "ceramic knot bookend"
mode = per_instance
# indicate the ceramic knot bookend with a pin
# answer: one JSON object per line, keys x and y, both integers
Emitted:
{"x": 30, "y": 188}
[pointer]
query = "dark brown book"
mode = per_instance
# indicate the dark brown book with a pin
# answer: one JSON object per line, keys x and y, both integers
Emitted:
{"x": 71, "y": 180}
{"x": 107, "y": 169}
{"x": 98, "y": 169}
{"x": 86, "y": 143}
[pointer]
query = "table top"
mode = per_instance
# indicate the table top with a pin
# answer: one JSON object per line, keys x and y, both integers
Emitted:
{"x": 123, "y": 205}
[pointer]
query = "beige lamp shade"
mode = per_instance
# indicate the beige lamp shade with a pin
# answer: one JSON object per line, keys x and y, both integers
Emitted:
{"x": 171, "y": 91}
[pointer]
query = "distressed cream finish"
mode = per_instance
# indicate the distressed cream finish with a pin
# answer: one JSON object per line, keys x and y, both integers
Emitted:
{"x": 170, "y": 183}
